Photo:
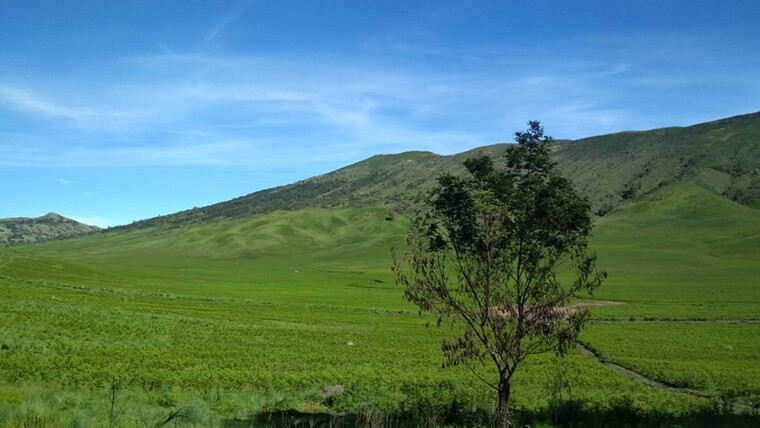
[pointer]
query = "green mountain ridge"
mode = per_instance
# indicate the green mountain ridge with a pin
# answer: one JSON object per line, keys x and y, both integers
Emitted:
{"x": 722, "y": 156}
{"x": 23, "y": 230}
{"x": 677, "y": 229}
{"x": 217, "y": 298}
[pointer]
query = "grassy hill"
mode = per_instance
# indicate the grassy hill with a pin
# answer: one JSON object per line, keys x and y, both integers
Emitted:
{"x": 262, "y": 308}
{"x": 723, "y": 156}
{"x": 231, "y": 314}
{"x": 15, "y": 231}
{"x": 678, "y": 247}
{"x": 686, "y": 262}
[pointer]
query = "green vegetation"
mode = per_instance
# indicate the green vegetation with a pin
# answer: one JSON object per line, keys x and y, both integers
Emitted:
{"x": 219, "y": 317}
{"x": 14, "y": 231}
{"x": 722, "y": 156}
{"x": 707, "y": 356}
{"x": 256, "y": 315}
{"x": 484, "y": 257}
{"x": 681, "y": 253}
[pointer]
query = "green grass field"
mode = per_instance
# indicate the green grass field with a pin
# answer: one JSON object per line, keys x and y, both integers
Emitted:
{"x": 255, "y": 315}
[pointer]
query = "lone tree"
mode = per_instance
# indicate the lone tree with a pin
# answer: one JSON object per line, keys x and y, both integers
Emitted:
{"x": 485, "y": 254}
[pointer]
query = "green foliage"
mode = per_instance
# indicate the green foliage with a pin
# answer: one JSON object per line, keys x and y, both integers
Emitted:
{"x": 238, "y": 317}
{"x": 484, "y": 258}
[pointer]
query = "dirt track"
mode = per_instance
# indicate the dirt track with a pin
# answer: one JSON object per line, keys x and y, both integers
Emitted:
{"x": 636, "y": 375}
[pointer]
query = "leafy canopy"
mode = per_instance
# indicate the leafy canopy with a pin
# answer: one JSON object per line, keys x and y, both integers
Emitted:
{"x": 484, "y": 257}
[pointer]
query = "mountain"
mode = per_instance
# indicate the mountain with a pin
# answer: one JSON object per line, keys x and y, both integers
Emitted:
{"x": 722, "y": 156}
{"x": 24, "y": 230}
{"x": 681, "y": 244}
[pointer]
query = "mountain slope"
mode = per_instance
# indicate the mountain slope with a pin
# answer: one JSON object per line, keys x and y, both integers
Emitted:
{"x": 301, "y": 253}
{"x": 24, "y": 230}
{"x": 667, "y": 254}
{"x": 723, "y": 156}
{"x": 680, "y": 244}
{"x": 270, "y": 235}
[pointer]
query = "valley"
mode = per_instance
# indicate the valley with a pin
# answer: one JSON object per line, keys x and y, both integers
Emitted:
{"x": 264, "y": 304}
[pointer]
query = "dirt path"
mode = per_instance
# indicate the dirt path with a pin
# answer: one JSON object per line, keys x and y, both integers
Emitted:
{"x": 738, "y": 407}
{"x": 588, "y": 353}
{"x": 638, "y": 377}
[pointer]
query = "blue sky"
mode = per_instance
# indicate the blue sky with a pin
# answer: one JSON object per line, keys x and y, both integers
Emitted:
{"x": 116, "y": 111}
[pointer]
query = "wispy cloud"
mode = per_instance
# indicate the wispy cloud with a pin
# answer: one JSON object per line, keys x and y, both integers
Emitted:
{"x": 27, "y": 101}
{"x": 227, "y": 20}
{"x": 84, "y": 110}
{"x": 201, "y": 109}
{"x": 186, "y": 119}
{"x": 64, "y": 181}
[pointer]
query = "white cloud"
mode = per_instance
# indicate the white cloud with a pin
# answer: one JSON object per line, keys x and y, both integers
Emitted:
{"x": 184, "y": 120}
{"x": 27, "y": 101}
{"x": 196, "y": 109}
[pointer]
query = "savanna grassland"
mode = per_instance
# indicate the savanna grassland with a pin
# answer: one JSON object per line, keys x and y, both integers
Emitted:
{"x": 227, "y": 316}
{"x": 227, "y": 320}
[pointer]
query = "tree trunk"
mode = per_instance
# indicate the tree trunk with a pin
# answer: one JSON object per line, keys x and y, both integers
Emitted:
{"x": 502, "y": 412}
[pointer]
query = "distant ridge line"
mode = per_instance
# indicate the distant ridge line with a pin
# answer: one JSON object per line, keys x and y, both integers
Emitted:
{"x": 722, "y": 155}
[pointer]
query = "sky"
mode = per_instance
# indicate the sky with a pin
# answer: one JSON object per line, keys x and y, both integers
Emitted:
{"x": 115, "y": 111}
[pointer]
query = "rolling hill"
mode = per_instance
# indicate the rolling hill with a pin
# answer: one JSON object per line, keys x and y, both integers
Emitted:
{"x": 677, "y": 211}
{"x": 722, "y": 156}
{"x": 262, "y": 295}
{"x": 22, "y": 230}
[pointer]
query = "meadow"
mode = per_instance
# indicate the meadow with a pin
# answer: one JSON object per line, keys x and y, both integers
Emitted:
{"x": 298, "y": 311}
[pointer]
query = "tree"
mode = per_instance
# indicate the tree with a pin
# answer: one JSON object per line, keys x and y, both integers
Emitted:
{"x": 484, "y": 257}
